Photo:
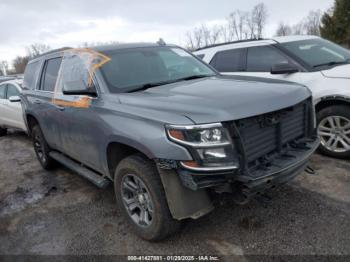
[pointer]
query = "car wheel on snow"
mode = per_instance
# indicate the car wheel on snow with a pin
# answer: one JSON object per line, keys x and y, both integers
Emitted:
{"x": 42, "y": 149}
{"x": 141, "y": 198}
{"x": 334, "y": 131}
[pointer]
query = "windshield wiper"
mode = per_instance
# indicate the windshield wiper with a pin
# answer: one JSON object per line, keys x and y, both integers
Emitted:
{"x": 154, "y": 84}
{"x": 192, "y": 77}
{"x": 150, "y": 85}
{"x": 333, "y": 63}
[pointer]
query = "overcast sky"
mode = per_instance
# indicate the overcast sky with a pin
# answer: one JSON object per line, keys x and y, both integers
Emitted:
{"x": 71, "y": 22}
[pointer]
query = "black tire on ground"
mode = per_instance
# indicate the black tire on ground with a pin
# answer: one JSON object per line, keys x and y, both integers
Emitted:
{"x": 162, "y": 225}
{"x": 338, "y": 110}
{"x": 42, "y": 149}
{"x": 3, "y": 131}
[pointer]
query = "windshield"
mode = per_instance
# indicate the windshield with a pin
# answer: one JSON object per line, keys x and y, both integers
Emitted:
{"x": 131, "y": 69}
{"x": 318, "y": 52}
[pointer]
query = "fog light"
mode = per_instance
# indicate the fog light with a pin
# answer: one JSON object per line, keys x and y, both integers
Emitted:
{"x": 213, "y": 153}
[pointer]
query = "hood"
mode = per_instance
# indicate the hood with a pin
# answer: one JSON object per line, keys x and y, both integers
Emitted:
{"x": 342, "y": 71}
{"x": 217, "y": 99}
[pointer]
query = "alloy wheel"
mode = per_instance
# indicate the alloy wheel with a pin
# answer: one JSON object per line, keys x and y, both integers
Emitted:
{"x": 334, "y": 132}
{"x": 137, "y": 200}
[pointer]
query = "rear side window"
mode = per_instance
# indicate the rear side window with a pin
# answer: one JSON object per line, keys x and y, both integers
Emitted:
{"x": 30, "y": 75}
{"x": 262, "y": 58}
{"x": 2, "y": 91}
{"x": 49, "y": 77}
{"x": 12, "y": 91}
{"x": 201, "y": 56}
{"x": 229, "y": 60}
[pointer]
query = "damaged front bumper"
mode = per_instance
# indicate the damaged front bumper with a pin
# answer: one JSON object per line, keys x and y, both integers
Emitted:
{"x": 279, "y": 169}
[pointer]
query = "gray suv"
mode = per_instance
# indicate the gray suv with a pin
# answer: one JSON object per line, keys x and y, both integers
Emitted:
{"x": 165, "y": 128}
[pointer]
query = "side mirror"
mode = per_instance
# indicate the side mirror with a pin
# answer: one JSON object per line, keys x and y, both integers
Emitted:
{"x": 14, "y": 99}
{"x": 78, "y": 88}
{"x": 284, "y": 68}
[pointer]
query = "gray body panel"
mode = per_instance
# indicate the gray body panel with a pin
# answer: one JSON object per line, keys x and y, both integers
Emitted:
{"x": 216, "y": 99}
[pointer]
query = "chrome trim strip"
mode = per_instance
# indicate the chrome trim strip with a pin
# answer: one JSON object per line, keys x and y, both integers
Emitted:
{"x": 209, "y": 168}
{"x": 191, "y": 127}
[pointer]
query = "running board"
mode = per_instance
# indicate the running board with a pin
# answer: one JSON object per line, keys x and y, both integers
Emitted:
{"x": 90, "y": 175}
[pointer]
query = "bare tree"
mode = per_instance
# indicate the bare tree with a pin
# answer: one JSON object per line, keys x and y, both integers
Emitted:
{"x": 190, "y": 41}
{"x": 283, "y": 29}
{"x": 225, "y": 33}
{"x": 312, "y": 23}
{"x": 298, "y": 29}
{"x": 259, "y": 18}
{"x": 36, "y": 49}
{"x": 215, "y": 34}
{"x": 20, "y": 63}
{"x": 198, "y": 37}
{"x": 237, "y": 25}
{"x": 205, "y": 33}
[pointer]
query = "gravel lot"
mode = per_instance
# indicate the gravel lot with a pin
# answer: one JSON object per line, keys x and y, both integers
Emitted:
{"x": 61, "y": 213}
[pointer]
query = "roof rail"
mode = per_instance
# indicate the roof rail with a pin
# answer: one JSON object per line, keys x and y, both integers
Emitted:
{"x": 52, "y": 51}
{"x": 232, "y": 42}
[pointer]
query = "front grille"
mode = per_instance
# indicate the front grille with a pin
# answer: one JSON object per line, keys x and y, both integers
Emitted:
{"x": 271, "y": 133}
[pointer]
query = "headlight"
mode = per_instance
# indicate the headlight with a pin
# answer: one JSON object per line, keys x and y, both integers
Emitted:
{"x": 210, "y": 146}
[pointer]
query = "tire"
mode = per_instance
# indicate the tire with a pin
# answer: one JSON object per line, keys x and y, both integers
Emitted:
{"x": 42, "y": 149}
{"x": 333, "y": 124}
{"x": 134, "y": 169}
{"x": 3, "y": 131}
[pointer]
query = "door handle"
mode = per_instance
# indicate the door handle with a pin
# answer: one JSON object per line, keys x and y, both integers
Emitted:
{"x": 37, "y": 101}
{"x": 61, "y": 108}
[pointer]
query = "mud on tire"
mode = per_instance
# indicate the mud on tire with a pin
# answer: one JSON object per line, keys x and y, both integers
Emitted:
{"x": 42, "y": 149}
{"x": 136, "y": 169}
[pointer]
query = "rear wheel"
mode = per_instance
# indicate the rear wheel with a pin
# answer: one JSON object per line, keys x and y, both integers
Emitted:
{"x": 140, "y": 196}
{"x": 42, "y": 149}
{"x": 334, "y": 131}
{"x": 3, "y": 131}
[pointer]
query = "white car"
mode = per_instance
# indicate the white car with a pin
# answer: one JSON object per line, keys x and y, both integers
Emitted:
{"x": 319, "y": 64}
{"x": 11, "y": 115}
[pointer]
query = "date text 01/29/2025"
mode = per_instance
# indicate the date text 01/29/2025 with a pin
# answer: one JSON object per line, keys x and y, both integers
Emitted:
{"x": 174, "y": 258}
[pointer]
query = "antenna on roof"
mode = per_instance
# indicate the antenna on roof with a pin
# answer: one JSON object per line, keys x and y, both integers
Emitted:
{"x": 161, "y": 42}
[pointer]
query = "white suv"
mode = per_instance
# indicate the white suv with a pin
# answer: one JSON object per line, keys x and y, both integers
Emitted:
{"x": 319, "y": 64}
{"x": 11, "y": 114}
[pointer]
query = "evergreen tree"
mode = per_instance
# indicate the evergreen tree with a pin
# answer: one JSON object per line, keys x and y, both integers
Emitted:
{"x": 336, "y": 23}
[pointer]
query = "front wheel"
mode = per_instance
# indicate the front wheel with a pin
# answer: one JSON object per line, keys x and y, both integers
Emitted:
{"x": 334, "y": 131}
{"x": 140, "y": 196}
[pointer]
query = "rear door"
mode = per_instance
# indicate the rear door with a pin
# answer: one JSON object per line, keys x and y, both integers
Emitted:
{"x": 14, "y": 109}
{"x": 42, "y": 99}
{"x": 230, "y": 61}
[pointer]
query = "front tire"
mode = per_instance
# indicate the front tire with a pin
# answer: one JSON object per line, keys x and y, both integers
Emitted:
{"x": 334, "y": 131}
{"x": 42, "y": 149}
{"x": 3, "y": 131}
{"x": 141, "y": 198}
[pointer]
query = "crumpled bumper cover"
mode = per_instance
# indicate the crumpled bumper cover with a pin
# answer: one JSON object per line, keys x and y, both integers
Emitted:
{"x": 280, "y": 170}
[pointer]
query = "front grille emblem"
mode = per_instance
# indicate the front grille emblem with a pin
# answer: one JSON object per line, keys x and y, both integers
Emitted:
{"x": 270, "y": 120}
